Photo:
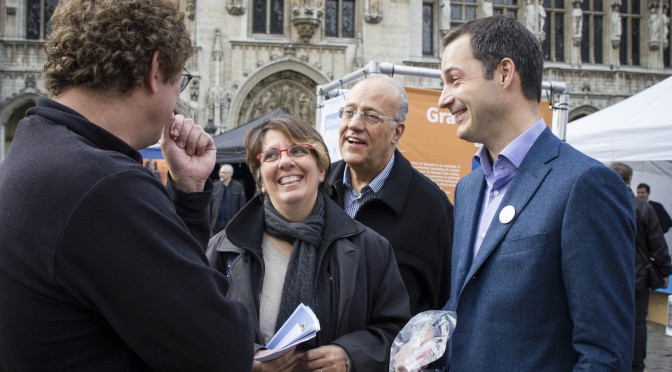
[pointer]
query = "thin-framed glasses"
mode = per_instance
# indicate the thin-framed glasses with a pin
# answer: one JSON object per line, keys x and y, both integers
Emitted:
{"x": 369, "y": 117}
{"x": 295, "y": 152}
{"x": 185, "y": 79}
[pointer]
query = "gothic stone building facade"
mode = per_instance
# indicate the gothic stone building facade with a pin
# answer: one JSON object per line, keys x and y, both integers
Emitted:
{"x": 252, "y": 56}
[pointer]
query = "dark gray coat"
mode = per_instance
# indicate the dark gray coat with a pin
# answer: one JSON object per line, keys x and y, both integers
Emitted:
{"x": 650, "y": 240}
{"x": 415, "y": 215}
{"x": 358, "y": 273}
{"x": 235, "y": 200}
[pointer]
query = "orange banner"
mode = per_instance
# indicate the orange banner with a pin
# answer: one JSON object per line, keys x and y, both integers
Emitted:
{"x": 546, "y": 113}
{"x": 430, "y": 140}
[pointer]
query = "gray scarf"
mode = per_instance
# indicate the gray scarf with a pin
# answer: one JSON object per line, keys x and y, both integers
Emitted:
{"x": 301, "y": 279}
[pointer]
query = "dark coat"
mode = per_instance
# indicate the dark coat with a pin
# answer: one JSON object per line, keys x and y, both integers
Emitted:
{"x": 235, "y": 200}
{"x": 650, "y": 240}
{"x": 553, "y": 288}
{"x": 357, "y": 271}
{"x": 663, "y": 216}
{"x": 101, "y": 268}
{"x": 415, "y": 215}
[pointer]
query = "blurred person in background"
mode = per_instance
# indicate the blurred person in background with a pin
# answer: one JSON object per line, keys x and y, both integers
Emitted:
{"x": 228, "y": 197}
{"x": 643, "y": 191}
{"x": 650, "y": 241}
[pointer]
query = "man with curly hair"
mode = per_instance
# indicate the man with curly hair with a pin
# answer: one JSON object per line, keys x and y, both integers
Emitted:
{"x": 102, "y": 268}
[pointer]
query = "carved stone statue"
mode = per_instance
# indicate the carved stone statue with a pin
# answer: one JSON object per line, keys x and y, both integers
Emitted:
{"x": 542, "y": 20}
{"x": 535, "y": 18}
{"x": 372, "y": 11}
{"x": 531, "y": 17}
{"x": 615, "y": 24}
{"x": 577, "y": 20}
{"x": 654, "y": 27}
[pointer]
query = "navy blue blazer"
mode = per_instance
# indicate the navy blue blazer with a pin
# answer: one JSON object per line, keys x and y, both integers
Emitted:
{"x": 552, "y": 289}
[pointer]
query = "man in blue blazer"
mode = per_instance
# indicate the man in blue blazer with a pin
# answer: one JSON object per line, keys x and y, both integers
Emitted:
{"x": 543, "y": 264}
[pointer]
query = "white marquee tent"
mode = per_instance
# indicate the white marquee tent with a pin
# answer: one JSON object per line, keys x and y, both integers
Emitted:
{"x": 636, "y": 131}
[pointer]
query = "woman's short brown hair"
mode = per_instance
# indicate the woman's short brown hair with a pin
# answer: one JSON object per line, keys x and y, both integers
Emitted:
{"x": 297, "y": 131}
{"x": 109, "y": 44}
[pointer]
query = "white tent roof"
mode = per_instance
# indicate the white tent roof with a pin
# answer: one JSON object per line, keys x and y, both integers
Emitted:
{"x": 638, "y": 128}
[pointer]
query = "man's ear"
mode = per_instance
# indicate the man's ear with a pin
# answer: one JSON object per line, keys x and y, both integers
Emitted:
{"x": 506, "y": 70}
{"x": 151, "y": 78}
{"x": 399, "y": 130}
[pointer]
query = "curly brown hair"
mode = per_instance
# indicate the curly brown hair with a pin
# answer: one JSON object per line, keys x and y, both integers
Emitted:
{"x": 109, "y": 44}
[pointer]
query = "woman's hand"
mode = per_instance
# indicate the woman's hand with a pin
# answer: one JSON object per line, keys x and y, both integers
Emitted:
{"x": 284, "y": 363}
{"x": 330, "y": 358}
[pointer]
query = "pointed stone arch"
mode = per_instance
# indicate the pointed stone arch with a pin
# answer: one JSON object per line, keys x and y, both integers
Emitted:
{"x": 13, "y": 110}
{"x": 580, "y": 112}
{"x": 287, "y": 84}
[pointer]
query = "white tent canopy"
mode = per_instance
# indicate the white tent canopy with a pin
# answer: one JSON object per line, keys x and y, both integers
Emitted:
{"x": 636, "y": 131}
{"x": 638, "y": 128}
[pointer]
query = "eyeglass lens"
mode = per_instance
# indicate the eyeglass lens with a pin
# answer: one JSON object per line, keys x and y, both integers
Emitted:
{"x": 185, "y": 79}
{"x": 368, "y": 117}
{"x": 296, "y": 151}
{"x": 184, "y": 82}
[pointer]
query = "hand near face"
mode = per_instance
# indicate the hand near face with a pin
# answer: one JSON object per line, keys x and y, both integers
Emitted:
{"x": 327, "y": 358}
{"x": 189, "y": 152}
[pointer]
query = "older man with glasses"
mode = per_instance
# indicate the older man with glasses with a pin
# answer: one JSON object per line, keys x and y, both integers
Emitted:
{"x": 377, "y": 186}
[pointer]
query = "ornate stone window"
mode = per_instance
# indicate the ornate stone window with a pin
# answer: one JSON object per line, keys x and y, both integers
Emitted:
{"x": 37, "y": 18}
{"x": 462, "y": 11}
{"x": 592, "y": 33}
{"x": 505, "y": 7}
{"x": 428, "y": 29}
{"x": 268, "y": 17}
{"x": 339, "y": 20}
{"x": 631, "y": 17}
{"x": 553, "y": 45}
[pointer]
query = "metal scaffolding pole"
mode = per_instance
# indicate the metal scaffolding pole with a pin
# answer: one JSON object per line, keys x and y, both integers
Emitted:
{"x": 557, "y": 92}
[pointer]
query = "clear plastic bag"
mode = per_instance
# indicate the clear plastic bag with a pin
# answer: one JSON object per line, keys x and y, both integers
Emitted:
{"x": 422, "y": 340}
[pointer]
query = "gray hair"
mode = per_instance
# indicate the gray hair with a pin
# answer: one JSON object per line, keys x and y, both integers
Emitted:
{"x": 226, "y": 167}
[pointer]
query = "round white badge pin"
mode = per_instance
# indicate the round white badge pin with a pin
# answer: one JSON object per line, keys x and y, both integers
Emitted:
{"x": 507, "y": 213}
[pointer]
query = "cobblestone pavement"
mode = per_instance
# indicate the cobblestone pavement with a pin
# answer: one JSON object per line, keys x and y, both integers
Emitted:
{"x": 659, "y": 349}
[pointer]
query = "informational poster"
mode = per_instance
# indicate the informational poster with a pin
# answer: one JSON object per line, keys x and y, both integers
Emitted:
{"x": 329, "y": 122}
{"x": 430, "y": 141}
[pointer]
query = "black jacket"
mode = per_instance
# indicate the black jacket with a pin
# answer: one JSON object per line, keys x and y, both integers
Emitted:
{"x": 650, "y": 239}
{"x": 357, "y": 275}
{"x": 663, "y": 216}
{"x": 101, "y": 268}
{"x": 415, "y": 215}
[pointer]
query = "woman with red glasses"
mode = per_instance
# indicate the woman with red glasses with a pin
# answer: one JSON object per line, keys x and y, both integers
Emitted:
{"x": 291, "y": 244}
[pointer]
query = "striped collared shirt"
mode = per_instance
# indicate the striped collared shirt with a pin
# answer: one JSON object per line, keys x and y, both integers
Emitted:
{"x": 352, "y": 201}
